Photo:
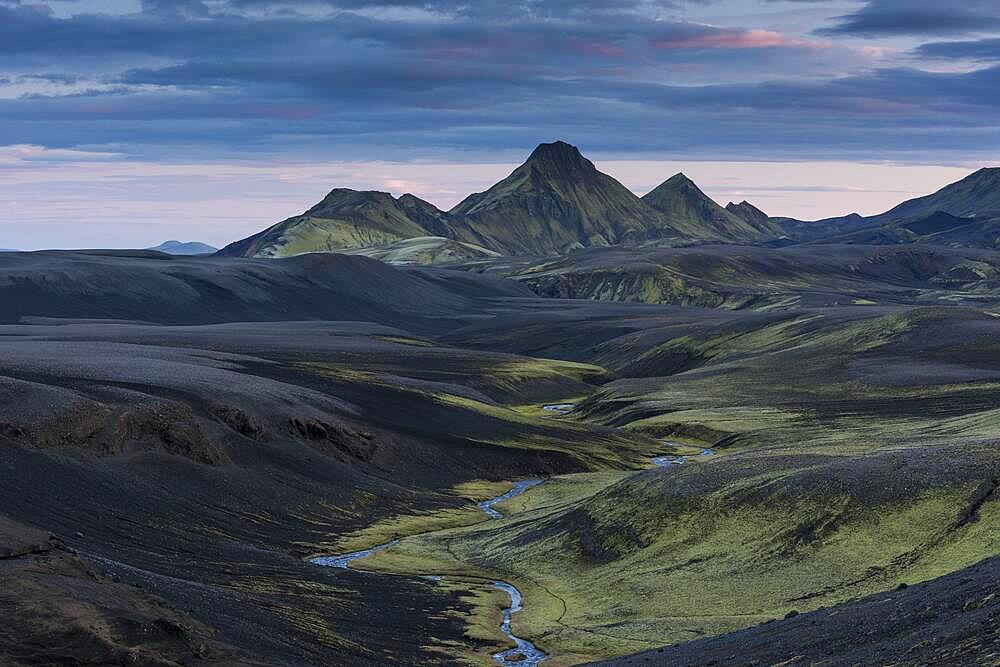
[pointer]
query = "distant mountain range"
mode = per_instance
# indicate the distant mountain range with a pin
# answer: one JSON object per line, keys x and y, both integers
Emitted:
{"x": 185, "y": 248}
{"x": 558, "y": 201}
{"x": 963, "y": 214}
{"x": 555, "y": 202}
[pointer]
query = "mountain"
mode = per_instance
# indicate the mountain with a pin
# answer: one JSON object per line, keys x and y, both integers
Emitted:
{"x": 345, "y": 219}
{"x": 963, "y": 214}
{"x": 749, "y": 213}
{"x": 185, "y": 248}
{"x": 691, "y": 210}
{"x": 554, "y": 202}
{"x": 976, "y": 195}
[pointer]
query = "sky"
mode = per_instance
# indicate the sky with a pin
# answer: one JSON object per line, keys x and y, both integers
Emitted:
{"x": 127, "y": 122}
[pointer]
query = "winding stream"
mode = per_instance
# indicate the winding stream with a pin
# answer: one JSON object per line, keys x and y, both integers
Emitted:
{"x": 525, "y": 654}
{"x": 519, "y": 488}
{"x": 671, "y": 460}
{"x": 344, "y": 562}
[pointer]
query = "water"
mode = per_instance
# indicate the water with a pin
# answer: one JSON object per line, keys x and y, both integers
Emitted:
{"x": 559, "y": 408}
{"x": 670, "y": 460}
{"x": 519, "y": 488}
{"x": 344, "y": 562}
{"x": 529, "y": 654}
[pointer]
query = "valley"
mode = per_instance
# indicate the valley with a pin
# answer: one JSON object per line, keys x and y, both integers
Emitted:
{"x": 203, "y": 445}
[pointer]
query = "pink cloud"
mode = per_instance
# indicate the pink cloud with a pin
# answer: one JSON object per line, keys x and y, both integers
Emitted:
{"x": 733, "y": 39}
{"x": 606, "y": 49}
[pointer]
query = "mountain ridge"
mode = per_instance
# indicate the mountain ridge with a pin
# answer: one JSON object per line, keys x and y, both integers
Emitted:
{"x": 554, "y": 202}
{"x": 558, "y": 201}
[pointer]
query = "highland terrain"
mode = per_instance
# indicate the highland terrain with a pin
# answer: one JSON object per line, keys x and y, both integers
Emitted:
{"x": 681, "y": 433}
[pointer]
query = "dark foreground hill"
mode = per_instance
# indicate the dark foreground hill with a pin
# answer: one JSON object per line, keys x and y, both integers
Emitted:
{"x": 153, "y": 287}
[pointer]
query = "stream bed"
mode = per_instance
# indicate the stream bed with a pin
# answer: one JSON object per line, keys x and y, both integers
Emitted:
{"x": 524, "y": 654}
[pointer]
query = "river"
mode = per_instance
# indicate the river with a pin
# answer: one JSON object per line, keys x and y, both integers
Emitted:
{"x": 524, "y": 653}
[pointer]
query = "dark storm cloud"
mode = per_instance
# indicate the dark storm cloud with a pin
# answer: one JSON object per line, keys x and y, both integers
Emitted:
{"x": 919, "y": 17}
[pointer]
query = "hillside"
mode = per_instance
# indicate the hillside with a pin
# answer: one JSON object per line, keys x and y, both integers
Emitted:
{"x": 424, "y": 250}
{"x": 976, "y": 195}
{"x": 345, "y": 219}
{"x": 740, "y": 277}
{"x": 935, "y": 623}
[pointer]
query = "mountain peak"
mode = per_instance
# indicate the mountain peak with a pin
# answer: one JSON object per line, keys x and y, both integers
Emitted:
{"x": 680, "y": 199}
{"x": 559, "y": 157}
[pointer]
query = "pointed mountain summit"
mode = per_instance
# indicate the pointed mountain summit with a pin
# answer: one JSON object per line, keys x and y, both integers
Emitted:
{"x": 693, "y": 212}
{"x": 556, "y": 201}
{"x": 345, "y": 219}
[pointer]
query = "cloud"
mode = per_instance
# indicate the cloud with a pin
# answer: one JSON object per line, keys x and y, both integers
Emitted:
{"x": 986, "y": 50}
{"x": 24, "y": 153}
{"x": 918, "y": 17}
{"x": 413, "y": 78}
